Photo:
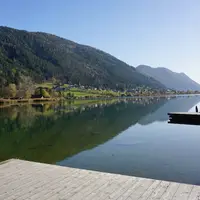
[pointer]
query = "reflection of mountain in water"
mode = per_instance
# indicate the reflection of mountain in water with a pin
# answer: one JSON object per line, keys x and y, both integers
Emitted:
{"x": 180, "y": 104}
{"x": 48, "y": 137}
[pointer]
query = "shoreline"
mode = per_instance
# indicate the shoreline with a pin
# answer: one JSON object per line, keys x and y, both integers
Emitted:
{"x": 4, "y": 101}
{"x": 38, "y": 100}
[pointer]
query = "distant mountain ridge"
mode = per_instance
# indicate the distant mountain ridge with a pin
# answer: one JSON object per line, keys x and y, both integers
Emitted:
{"x": 43, "y": 56}
{"x": 172, "y": 80}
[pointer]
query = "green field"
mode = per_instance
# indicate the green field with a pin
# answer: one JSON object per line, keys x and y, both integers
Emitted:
{"x": 79, "y": 92}
{"x": 45, "y": 85}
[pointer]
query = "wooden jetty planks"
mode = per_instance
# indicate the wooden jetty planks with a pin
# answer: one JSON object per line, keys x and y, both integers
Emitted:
{"x": 24, "y": 180}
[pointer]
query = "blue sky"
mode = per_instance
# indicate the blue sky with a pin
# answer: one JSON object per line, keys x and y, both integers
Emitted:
{"x": 160, "y": 33}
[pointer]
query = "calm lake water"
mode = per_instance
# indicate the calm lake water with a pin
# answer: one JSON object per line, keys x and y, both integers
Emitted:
{"x": 129, "y": 137}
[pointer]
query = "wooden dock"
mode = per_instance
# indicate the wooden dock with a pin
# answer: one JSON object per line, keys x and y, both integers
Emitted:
{"x": 23, "y": 180}
{"x": 184, "y": 118}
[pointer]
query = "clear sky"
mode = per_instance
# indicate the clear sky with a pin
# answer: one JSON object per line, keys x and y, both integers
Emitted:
{"x": 159, "y": 33}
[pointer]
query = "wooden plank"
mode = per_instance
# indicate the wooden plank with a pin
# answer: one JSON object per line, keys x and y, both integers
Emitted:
{"x": 132, "y": 189}
{"x": 195, "y": 193}
{"x": 139, "y": 191}
{"x": 171, "y": 190}
{"x": 9, "y": 163}
{"x": 49, "y": 182}
{"x": 184, "y": 113}
{"x": 11, "y": 167}
{"x": 102, "y": 188}
{"x": 159, "y": 191}
{"x": 183, "y": 192}
{"x": 115, "y": 195}
{"x": 35, "y": 184}
{"x": 89, "y": 187}
{"x": 184, "y": 118}
{"x": 150, "y": 190}
{"x": 74, "y": 186}
{"x": 111, "y": 187}
{"x": 46, "y": 186}
{"x": 98, "y": 190}
{"x": 12, "y": 181}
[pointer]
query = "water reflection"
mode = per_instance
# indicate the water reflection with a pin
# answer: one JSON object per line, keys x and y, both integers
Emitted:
{"x": 180, "y": 104}
{"x": 155, "y": 150}
{"x": 102, "y": 135}
{"x": 52, "y": 132}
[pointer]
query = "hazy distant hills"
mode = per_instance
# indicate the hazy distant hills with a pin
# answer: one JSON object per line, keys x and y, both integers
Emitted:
{"x": 172, "y": 80}
{"x": 42, "y": 56}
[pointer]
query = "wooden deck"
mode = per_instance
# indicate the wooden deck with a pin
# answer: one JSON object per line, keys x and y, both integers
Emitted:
{"x": 185, "y": 114}
{"x": 23, "y": 180}
{"x": 184, "y": 118}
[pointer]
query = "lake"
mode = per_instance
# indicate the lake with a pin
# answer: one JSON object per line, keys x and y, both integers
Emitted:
{"x": 125, "y": 136}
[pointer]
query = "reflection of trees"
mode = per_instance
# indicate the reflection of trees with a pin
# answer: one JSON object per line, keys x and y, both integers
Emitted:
{"x": 50, "y": 138}
{"x": 23, "y": 116}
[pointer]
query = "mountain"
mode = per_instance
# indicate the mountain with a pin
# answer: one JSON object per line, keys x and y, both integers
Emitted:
{"x": 42, "y": 56}
{"x": 172, "y": 80}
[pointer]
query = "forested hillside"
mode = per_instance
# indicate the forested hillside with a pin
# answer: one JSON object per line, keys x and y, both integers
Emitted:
{"x": 41, "y": 56}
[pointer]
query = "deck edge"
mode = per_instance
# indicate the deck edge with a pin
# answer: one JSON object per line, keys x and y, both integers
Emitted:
{"x": 6, "y": 161}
